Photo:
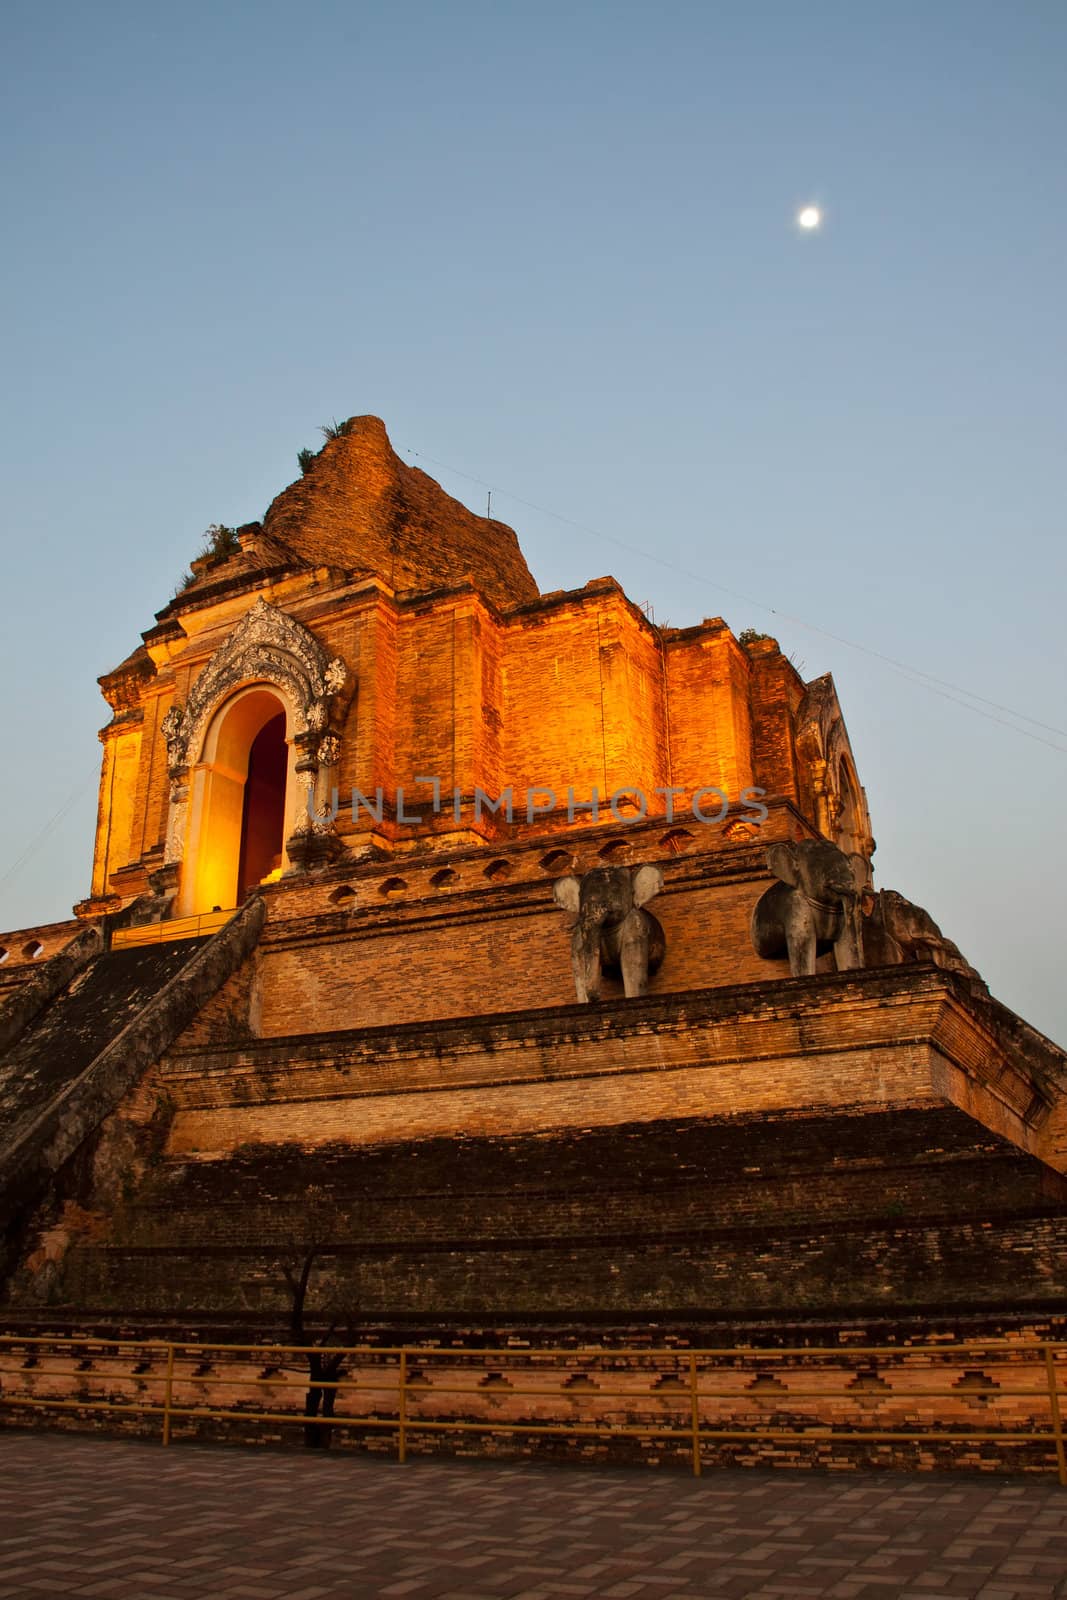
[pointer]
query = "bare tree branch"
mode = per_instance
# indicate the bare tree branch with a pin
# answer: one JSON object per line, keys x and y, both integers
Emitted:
{"x": 316, "y": 1226}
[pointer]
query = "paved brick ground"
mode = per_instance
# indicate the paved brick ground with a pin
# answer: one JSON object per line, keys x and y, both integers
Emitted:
{"x": 126, "y": 1521}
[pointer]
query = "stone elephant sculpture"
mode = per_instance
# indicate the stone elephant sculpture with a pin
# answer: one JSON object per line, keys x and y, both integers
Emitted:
{"x": 816, "y": 906}
{"x": 898, "y": 931}
{"x": 613, "y": 932}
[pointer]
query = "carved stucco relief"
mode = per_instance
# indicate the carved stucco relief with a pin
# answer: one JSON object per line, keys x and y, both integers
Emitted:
{"x": 822, "y": 743}
{"x": 267, "y": 646}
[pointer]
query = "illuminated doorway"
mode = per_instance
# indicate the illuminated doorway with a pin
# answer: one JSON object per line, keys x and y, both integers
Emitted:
{"x": 237, "y": 812}
{"x": 263, "y": 811}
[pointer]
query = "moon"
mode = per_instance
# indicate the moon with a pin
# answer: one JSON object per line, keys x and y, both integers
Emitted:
{"x": 809, "y": 218}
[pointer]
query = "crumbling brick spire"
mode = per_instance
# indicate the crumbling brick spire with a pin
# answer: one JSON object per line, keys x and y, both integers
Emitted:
{"x": 360, "y": 508}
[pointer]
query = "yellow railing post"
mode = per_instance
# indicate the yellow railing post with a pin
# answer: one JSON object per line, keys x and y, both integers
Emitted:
{"x": 694, "y": 1412}
{"x": 402, "y": 1411}
{"x": 168, "y": 1387}
{"x": 1057, "y": 1420}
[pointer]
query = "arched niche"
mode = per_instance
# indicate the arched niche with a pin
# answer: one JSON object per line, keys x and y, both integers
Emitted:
{"x": 241, "y": 793}
{"x": 830, "y": 790}
{"x": 852, "y": 828}
{"x": 270, "y": 664}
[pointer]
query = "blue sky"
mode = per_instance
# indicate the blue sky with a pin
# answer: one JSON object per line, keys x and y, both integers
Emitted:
{"x": 554, "y": 248}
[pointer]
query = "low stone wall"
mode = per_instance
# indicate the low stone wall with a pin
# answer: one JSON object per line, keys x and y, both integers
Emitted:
{"x": 922, "y": 1405}
{"x": 26, "y": 999}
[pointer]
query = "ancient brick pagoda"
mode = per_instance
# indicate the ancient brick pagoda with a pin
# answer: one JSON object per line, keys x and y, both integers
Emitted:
{"x": 675, "y": 1063}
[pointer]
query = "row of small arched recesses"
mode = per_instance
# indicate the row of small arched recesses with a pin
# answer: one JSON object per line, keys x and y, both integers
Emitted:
{"x": 762, "y": 1385}
{"x": 556, "y": 864}
{"x": 30, "y": 950}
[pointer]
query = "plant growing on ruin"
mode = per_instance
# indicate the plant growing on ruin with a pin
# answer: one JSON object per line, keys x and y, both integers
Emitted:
{"x": 304, "y": 459}
{"x": 334, "y": 429}
{"x": 220, "y": 541}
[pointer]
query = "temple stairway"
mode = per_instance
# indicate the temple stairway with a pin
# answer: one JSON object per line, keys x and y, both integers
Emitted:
{"x": 69, "y": 1068}
{"x": 96, "y": 1006}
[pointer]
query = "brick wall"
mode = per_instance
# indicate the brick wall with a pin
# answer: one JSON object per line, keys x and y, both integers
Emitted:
{"x": 863, "y": 1040}
{"x": 923, "y": 1382}
{"x": 735, "y": 1211}
{"x": 22, "y": 960}
{"x": 573, "y": 690}
{"x": 482, "y": 944}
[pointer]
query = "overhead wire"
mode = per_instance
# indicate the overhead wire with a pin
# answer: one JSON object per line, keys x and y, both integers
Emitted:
{"x": 39, "y": 837}
{"x": 943, "y": 687}
{"x": 916, "y": 675}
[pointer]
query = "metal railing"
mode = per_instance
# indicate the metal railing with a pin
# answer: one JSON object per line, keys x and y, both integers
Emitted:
{"x": 689, "y": 1398}
{"x": 165, "y": 932}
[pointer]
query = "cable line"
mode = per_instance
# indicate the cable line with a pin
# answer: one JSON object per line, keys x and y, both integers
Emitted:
{"x": 916, "y": 675}
{"x": 39, "y": 838}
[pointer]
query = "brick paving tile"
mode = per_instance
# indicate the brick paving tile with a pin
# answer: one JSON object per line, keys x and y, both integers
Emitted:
{"x": 559, "y": 1587}
{"x": 314, "y": 1593}
{"x": 780, "y": 1591}
{"x": 1021, "y": 1589}
{"x": 114, "y": 1520}
{"x": 252, "y": 1591}
{"x": 647, "y": 1591}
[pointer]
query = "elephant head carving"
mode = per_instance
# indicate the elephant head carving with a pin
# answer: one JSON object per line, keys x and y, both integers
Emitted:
{"x": 898, "y": 931}
{"x": 815, "y": 906}
{"x": 613, "y": 932}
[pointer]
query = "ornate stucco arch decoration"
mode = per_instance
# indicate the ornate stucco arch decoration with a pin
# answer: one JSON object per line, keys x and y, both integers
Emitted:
{"x": 829, "y": 769}
{"x": 267, "y": 647}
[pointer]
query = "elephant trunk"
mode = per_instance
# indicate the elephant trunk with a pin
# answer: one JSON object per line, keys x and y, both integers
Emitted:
{"x": 848, "y": 946}
{"x": 586, "y": 956}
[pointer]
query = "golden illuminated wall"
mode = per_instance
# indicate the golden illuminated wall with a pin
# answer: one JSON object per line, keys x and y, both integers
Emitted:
{"x": 709, "y": 678}
{"x": 575, "y": 689}
{"x": 116, "y": 809}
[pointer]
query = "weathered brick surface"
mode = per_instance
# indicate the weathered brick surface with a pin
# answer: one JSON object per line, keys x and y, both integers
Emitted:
{"x": 362, "y": 508}
{"x": 873, "y": 1040}
{"x": 710, "y": 715}
{"x": 422, "y": 952}
{"x": 403, "y": 1045}
{"x": 787, "y": 1145}
{"x": 777, "y": 690}
{"x": 21, "y": 964}
{"x": 749, "y": 1215}
{"x": 916, "y": 1267}
{"x": 993, "y": 1390}
{"x": 98, "y": 1002}
{"x": 464, "y": 673}
{"x": 576, "y": 692}
{"x": 71, "y": 1069}
{"x": 40, "y": 979}
{"x": 466, "y": 1105}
